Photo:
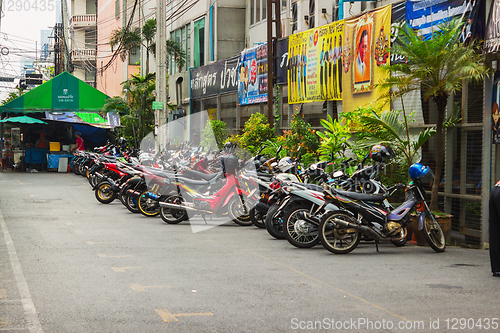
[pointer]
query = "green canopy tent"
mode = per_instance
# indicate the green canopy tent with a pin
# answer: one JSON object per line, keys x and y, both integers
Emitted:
{"x": 65, "y": 98}
{"x": 62, "y": 93}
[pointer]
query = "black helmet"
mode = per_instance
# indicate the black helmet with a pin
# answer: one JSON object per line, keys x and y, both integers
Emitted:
{"x": 229, "y": 163}
{"x": 379, "y": 152}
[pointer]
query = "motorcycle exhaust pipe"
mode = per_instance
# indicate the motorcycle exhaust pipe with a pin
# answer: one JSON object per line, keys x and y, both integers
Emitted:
{"x": 309, "y": 218}
{"x": 262, "y": 207}
{"x": 176, "y": 206}
{"x": 361, "y": 228}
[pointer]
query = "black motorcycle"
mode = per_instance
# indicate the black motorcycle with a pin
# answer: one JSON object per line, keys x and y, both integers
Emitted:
{"x": 363, "y": 214}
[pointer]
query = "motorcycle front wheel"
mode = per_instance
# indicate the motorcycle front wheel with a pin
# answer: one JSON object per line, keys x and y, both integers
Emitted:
{"x": 433, "y": 233}
{"x": 299, "y": 232}
{"x": 274, "y": 223}
{"x": 131, "y": 203}
{"x": 104, "y": 194}
{"x": 335, "y": 238}
{"x": 258, "y": 218}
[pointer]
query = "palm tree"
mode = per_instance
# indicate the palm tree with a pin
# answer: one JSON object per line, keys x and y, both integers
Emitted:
{"x": 389, "y": 129}
{"x": 436, "y": 66}
{"x": 139, "y": 92}
{"x": 135, "y": 106}
{"x": 13, "y": 95}
{"x": 128, "y": 41}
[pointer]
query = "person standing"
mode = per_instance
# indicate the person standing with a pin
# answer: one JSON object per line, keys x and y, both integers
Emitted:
{"x": 42, "y": 142}
{"x": 80, "y": 146}
{"x": 494, "y": 229}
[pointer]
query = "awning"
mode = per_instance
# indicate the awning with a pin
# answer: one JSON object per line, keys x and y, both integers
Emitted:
{"x": 101, "y": 120}
{"x": 62, "y": 93}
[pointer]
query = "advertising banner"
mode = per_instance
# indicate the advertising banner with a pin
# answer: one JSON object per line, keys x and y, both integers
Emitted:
{"x": 315, "y": 64}
{"x": 281, "y": 67}
{"x": 217, "y": 78}
{"x": 495, "y": 110}
{"x": 426, "y": 15}
{"x": 252, "y": 78}
{"x": 397, "y": 19}
{"x": 492, "y": 37}
{"x": 366, "y": 49}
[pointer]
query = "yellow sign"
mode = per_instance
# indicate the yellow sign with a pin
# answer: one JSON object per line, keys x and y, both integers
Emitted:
{"x": 366, "y": 40}
{"x": 315, "y": 64}
{"x": 212, "y": 114}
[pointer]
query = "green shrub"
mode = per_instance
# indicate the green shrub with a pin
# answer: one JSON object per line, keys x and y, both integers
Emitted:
{"x": 214, "y": 133}
{"x": 255, "y": 133}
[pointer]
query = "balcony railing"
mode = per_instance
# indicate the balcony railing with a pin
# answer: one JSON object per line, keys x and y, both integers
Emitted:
{"x": 82, "y": 20}
{"x": 83, "y": 55}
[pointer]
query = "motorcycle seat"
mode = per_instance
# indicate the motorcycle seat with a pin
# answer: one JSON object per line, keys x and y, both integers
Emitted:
{"x": 261, "y": 175}
{"x": 362, "y": 196}
{"x": 312, "y": 187}
{"x": 160, "y": 173}
{"x": 188, "y": 181}
{"x": 197, "y": 174}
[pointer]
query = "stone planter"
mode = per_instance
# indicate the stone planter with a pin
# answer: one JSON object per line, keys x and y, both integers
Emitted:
{"x": 444, "y": 222}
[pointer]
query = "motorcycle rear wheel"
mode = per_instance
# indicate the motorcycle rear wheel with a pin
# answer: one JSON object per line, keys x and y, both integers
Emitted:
{"x": 433, "y": 233}
{"x": 337, "y": 239}
{"x": 299, "y": 232}
{"x": 258, "y": 218}
{"x": 104, "y": 194}
{"x": 274, "y": 223}
{"x": 172, "y": 215}
{"x": 237, "y": 213}
{"x": 147, "y": 206}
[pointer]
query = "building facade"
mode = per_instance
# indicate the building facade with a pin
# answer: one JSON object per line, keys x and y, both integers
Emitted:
{"x": 83, "y": 43}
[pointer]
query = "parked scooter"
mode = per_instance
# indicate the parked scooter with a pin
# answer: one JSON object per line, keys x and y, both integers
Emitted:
{"x": 230, "y": 200}
{"x": 340, "y": 231}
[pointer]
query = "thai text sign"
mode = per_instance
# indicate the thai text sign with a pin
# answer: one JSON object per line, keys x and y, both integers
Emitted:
{"x": 218, "y": 78}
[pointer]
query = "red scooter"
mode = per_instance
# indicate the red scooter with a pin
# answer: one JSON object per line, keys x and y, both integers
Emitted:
{"x": 230, "y": 201}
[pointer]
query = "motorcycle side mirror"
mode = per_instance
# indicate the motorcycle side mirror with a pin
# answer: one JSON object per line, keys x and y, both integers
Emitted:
{"x": 338, "y": 174}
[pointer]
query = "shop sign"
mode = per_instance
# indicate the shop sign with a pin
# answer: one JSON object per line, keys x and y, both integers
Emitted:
{"x": 217, "y": 78}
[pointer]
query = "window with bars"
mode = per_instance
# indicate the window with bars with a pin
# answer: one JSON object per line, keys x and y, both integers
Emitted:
{"x": 295, "y": 14}
{"x": 312, "y": 11}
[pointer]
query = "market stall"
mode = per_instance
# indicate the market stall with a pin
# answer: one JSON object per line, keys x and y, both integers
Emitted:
{"x": 67, "y": 104}
{"x": 13, "y": 151}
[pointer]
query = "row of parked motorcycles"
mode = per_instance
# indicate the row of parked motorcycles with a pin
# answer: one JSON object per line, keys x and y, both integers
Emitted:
{"x": 305, "y": 206}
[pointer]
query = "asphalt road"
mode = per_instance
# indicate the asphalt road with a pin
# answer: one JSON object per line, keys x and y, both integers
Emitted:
{"x": 71, "y": 264}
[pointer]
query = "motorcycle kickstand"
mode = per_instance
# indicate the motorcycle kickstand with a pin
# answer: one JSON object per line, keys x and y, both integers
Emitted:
{"x": 204, "y": 219}
{"x": 376, "y": 245}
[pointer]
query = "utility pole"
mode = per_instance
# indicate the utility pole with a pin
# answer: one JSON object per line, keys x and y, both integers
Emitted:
{"x": 65, "y": 37}
{"x": 271, "y": 47}
{"x": 161, "y": 70}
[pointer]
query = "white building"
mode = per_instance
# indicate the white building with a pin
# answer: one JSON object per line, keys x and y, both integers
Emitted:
{"x": 82, "y": 27}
